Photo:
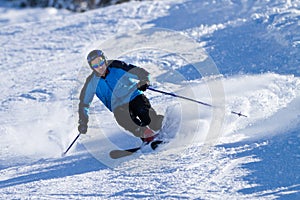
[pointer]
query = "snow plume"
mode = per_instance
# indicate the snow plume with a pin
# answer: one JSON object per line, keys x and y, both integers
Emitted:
{"x": 38, "y": 130}
{"x": 265, "y": 99}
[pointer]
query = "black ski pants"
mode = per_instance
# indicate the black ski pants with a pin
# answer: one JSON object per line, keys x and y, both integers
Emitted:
{"x": 137, "y": 114}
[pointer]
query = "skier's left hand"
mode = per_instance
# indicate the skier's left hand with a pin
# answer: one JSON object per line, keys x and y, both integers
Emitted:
{"x": 82, "y": 128}
{"x": 143, "y": 85}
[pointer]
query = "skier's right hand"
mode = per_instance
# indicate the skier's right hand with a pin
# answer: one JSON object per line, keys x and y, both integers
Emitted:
{"x": 82, "y": 128}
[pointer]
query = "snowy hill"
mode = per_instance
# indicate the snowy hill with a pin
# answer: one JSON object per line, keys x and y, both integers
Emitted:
{"x": 241, "y": 56}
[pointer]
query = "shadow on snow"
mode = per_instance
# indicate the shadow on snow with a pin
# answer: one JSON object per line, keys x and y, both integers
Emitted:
{"x": 248, "y": 46}
{"x": 277, "y": 172}
{"x": 55, "y": 168}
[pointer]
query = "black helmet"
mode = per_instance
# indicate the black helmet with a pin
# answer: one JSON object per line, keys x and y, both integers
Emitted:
{"x": 94, "y": 54}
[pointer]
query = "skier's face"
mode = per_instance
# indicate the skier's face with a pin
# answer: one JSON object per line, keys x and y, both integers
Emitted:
{"x": 99, "y": 65}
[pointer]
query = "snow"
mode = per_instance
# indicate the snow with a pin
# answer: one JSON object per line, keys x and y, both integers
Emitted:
{"x": 240, "y": 56}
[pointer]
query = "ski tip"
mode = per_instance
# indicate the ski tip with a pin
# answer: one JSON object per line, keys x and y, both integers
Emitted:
{"x": 114, "y": 154}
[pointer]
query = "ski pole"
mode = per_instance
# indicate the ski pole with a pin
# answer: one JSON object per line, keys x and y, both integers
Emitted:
{"x": 71, "y": 145}
{"x": 193, "y": 100}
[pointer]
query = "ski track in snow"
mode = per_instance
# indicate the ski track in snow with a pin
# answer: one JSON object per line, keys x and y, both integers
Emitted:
{"x": 256, "y": 46}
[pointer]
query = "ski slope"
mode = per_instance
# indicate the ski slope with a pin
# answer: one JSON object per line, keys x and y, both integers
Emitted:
{"x": 241, "y": 56}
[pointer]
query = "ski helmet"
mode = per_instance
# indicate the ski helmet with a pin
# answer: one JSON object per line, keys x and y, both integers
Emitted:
{"x": 94, "y": 54}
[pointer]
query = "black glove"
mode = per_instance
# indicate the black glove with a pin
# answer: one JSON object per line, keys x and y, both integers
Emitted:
{"x": 143, "y": 85}
{"x": 82, "y": 128}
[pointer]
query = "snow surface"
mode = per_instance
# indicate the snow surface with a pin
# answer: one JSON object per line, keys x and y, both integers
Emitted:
{"x": 250, "y": 65}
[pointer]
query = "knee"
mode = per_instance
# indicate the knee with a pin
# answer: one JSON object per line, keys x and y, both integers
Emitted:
{"x": 145, "y": 118}
{"x": 146, "y": 121}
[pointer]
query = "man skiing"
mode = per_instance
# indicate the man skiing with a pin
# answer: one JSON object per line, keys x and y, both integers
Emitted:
{"x": 120, "y": 87}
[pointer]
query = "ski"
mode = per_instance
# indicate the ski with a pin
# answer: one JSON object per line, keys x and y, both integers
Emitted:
{"x": 156, "y": 143}
{"x": 115, "y": 154}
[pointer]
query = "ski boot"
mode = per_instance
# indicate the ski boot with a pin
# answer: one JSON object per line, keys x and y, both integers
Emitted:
{"x": 148, "y": 135}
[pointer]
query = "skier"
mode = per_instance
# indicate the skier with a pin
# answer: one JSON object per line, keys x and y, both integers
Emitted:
{"x": 112, "y": 81}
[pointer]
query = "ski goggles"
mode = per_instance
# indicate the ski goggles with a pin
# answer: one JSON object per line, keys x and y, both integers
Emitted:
{"x": 99, "y": 64}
